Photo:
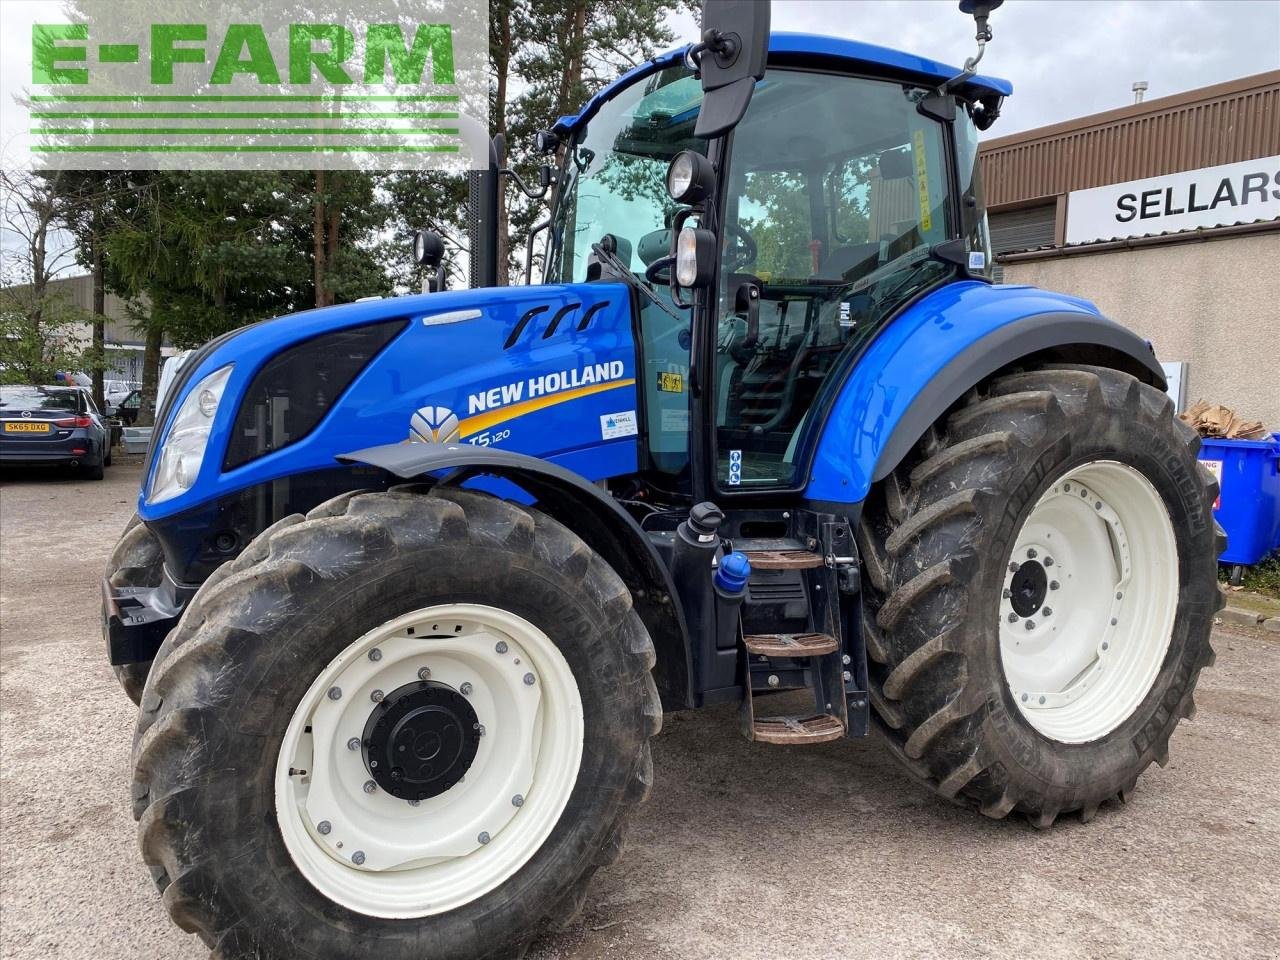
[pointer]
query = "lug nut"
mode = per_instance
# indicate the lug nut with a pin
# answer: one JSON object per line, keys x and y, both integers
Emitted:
{"x": 500, "y": 646}
{"x": 1046, "y": 611}
{"x": 846, "y": 659}
{"x": 1006, "y": 593}
{"x": 353, "y": 743}
{"x": 1013, "y": 617}
{"x": 517, "y": 801}
{"x": 1030, "y": 624}
{"x": 323, "y": 827}
{"x": 1048, "y": 561}
{"x": 358, "y": 857}
{"x": 1098, "y": 505}
{"x": 1031, "y": 553}
{"x": 1114, "y": 621}
{"x": 483, "y": 838}
{"x": 847, "y": 677}
{"x": 335, "y": 693}
{"x": 773, "y": 680}
{"x": 414, "y": 803}
{"x": 528, "y": 680}
{"x": 1053, "y": 584}
{"x": 424, "y": 673}
{"x": 370, "y": 786}
{"x": 377, "y": 696}
{"x": 1119, "y": 595}
{"x": 1013, "y": 568}
{"x": 375, "y": 654}
{"x": 479, "y": 729}
{"x": 465, "y": 689}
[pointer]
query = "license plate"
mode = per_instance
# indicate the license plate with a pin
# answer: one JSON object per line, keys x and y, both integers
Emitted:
{"x": 27, "y": 428}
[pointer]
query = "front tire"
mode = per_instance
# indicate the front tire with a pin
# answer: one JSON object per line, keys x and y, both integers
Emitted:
{"x": 241, "y": 752}
{"x": 136, "y": 561}
{"x": 1040, "y": 585}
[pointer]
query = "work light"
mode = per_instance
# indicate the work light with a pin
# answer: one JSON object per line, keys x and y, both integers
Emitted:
{"x": 695, "y": 257}
{"x": 689, "y": 178}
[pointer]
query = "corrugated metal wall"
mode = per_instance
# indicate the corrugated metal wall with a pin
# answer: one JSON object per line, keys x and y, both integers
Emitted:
{"x": 1224, "y": 123}
{"x": 1023, "y": 229}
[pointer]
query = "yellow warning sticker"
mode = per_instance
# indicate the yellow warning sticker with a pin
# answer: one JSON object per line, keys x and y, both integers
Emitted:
{"x": 922, "y": 182}
{"x": 670, "y": 382}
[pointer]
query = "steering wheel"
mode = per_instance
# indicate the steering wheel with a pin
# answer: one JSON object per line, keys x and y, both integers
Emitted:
{"x": 743, "y": 252}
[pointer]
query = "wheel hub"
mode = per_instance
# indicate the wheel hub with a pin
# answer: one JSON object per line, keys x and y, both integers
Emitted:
{"x": 1028, "y": 588}
{"x": 420, "y": 740}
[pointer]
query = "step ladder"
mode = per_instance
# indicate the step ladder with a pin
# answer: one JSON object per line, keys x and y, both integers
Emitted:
{"x": 815, "y": 656}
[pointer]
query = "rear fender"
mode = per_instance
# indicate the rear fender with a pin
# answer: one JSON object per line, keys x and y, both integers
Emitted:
{"x": 586, "y": 510}
{"x": 930, "y": 355}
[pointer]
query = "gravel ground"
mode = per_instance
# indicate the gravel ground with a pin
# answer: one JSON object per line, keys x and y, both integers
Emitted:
{"x": 744, "y": 851}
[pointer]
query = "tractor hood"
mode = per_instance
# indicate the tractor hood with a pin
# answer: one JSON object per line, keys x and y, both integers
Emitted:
{"x": 547, "y": 371}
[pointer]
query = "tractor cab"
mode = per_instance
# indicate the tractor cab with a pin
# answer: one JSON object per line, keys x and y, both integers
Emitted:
{"x": 848, "y": 187}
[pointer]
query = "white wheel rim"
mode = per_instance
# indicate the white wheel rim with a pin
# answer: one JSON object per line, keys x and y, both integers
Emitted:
{"x": 1081, "y": 660}
{"x": 385, "y": 857}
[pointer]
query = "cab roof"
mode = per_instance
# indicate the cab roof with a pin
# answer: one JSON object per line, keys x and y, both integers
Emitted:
{"x": 816, "y": 49}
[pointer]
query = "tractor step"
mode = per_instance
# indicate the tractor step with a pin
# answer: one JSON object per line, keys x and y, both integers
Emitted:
{"x": 784, "y": 559}
{"x": 815, "y": 728}
{"x": 791, "y": 644}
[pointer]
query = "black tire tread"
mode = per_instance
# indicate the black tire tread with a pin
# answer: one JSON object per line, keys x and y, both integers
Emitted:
{"x": 196, "y": 665}
{"x": 926, "y": 705}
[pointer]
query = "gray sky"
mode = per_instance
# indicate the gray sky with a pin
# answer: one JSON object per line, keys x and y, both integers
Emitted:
{"x": 1066, "y": 58}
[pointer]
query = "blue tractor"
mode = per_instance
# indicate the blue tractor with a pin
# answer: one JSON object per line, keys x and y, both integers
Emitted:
{"x": 413, "y": 580}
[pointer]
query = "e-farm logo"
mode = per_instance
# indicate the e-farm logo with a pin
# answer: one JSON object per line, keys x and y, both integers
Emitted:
{"x": 388, "y": 83}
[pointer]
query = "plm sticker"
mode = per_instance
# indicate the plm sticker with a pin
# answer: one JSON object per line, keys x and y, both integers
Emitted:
{"x": 735, "y": 468}
{"x": 613, "y": 425}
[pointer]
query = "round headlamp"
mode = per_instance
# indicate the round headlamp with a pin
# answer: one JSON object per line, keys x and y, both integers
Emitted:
{"x": 689, "y": 177}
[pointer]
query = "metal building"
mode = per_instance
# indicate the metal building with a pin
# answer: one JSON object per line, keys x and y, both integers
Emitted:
{"x": 1166, "y": 213}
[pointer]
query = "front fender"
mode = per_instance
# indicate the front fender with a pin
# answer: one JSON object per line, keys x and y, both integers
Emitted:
{"x": 936, "y": 350}
{"x": 586, "y": 510}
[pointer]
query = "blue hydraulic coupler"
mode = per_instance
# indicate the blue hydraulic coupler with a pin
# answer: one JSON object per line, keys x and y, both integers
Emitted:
{"x": 733, "y": 573}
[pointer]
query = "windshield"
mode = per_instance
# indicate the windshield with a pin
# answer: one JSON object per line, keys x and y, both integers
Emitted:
{"x": 837, "y": 189}
{"x": 617, "y": 174}
{"x": 617, "y": 185}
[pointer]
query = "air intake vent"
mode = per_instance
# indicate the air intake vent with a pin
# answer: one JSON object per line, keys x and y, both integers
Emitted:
{"x": 775, "y": 590}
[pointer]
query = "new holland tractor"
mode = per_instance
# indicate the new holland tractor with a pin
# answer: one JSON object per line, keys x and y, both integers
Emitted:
{"x": 413, "y": 580}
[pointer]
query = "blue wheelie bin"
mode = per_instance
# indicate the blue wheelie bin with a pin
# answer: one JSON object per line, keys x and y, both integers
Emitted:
{"x": 1248, "y": 505}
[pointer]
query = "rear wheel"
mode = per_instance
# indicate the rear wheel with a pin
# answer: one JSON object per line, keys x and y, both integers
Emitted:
{"x": 95, "y": 471}
{"x": 1040, "y": 585}
{"x": 408, "y": 724}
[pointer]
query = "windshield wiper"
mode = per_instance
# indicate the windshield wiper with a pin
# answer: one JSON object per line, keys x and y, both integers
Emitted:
{"x": 610, "y": 260}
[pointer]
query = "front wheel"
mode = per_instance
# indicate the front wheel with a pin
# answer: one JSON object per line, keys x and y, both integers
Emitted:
{"x": 407, "y": 725}
{"x": 1040, "y": 585}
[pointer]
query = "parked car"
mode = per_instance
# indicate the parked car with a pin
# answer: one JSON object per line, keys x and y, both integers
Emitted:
{"x": 126, "y": 408}
{"x": 53, "y": 425}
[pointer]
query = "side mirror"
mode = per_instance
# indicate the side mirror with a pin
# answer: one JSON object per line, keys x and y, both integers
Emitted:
{"x": 428, "y": 251}
{"x": 731, "y": 58}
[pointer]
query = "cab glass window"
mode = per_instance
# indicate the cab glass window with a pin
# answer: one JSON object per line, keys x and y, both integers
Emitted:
{"x": 837, "y": 189}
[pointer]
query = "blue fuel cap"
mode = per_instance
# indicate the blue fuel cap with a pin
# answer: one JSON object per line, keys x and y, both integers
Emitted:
{"x": 733, "y": 572}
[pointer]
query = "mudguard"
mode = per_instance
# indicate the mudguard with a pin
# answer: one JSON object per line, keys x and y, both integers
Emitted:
{"x": 940, "y": 347}
{"x": 586, "y": 510}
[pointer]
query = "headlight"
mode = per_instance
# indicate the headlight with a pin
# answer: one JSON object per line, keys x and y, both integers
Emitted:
{"x": 183, "y": 449}
{"x": 689, "y": 177}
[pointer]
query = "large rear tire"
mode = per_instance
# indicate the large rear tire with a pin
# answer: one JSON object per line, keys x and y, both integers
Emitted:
{"x": 136, "y": 561}
{"x": 271, "y": 831}
{"x": 1040, "y": 585}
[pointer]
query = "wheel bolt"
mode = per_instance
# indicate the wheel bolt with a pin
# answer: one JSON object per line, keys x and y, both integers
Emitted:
{"x": 500, "y": 646}
{"x": 483, "y": 838}
{"x": 1031, "y": 553}
{"x": 1006, "y": 593}
{"x": 1013, "y": 617}
{"x": 479, "y": 729}
{"x": 1114, "y": 621}
{"x": 1119, "y": 596}
{"x": 1013, "y": 568}
{"x": 353, "y": 743}
{"x": 773, "y": 680}
{"x": 847, "y": 677}
{"x": 1046, "y": 611}
{"x": 1048, "y": 561}
{"x": 1105, "y": 645}
{"x": 1098, "y": 505}
{"x": 323, "y": 827}
{"x": 845, "y": 659}
{"x": 1053, "y": 584}
{"x": 370, "y": 786}
{"x": 414, "y": 803}
{"x": 424, "y": 673}
{"x": 517, "y": 801}
{"x": 528, "y": 680}
{"x": 335, "y": 693}
{"x": 1066, "y": 488}
{"x": 377, "y": 696}
{"x": 375, "y": 654}
{"x": 358, "y": 857}
{"x": 1030, "y": 624}
{"x": 465, "y": 689}
{"x": 1042, "y": 699}
{"x": 1025, "y": 698}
